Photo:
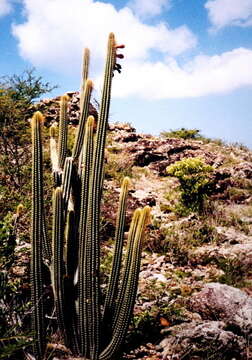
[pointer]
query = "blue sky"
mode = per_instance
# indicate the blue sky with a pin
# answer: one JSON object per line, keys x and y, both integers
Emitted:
{"x": 188, "y": 63}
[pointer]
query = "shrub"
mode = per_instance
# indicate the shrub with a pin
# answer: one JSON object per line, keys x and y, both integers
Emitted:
{"x": 17, "y": 92}
{"x": 195, "y": 182}
{"x": 182, "y": 133}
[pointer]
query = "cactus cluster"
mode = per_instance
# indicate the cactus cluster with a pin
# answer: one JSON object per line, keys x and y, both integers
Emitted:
{"x": 90, "y": 328}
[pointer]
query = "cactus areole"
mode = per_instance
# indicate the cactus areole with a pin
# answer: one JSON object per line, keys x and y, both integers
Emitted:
{"x": 88, "y": 327}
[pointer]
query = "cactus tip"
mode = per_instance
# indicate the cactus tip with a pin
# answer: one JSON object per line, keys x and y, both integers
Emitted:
{"x": 90, "y": 121}
{"x": 20, "y": 209}
{"x": 89, "y": 83}
{"x": 58, "y": 190}
{"x": 147, "y": 214}
{"x": 86, "y": 52}
{"x": 65, "y": 98}
{"x": 52, "y": 130}
{"x": 136, "y": 214}
{"x": 37, "y": 117}
{"x": 126, "y": 182}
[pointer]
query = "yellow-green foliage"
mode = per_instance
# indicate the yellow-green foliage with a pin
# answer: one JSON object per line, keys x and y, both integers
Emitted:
{"x": 182, "y": 134}
{"x": 195, "y": 182}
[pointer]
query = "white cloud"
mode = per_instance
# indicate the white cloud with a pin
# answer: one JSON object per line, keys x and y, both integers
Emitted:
{"x": 149, "y": 8}
{"x": 229, "y": 12}
{"x": 204, "y": 75}
{"x": 5, "y": 7}
{"x": 56, "y": 31}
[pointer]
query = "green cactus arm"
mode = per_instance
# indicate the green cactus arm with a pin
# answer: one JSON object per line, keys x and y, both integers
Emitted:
{"x": 62, "y": 144}
{"x": 85, "y": 275}
{"x": 83, "y": 116}
{"x": 112, "y": 291}
{"x": 71, "y": 261}
{"x": 94, "y": 201}
{"x": 57, "y": 267}
{"x": 54, "y": 156}
{"x": 67, "y": 181}
{"x": 53, "y": 148}
{"x": 36, "y": 237}
{"x": 128, "y": 258}
{"x": 126, "y": 307}
{"x": 70, "y": 249}
{"x": 47, "y": 248}
{"x": 84, "y": 75}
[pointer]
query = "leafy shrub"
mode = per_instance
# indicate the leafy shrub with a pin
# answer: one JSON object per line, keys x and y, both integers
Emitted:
{"x": 17, "y": 93}
{"x": 195, "y": 182}
{"x": 7, "y": 241}
{"x": 182, "y": 134}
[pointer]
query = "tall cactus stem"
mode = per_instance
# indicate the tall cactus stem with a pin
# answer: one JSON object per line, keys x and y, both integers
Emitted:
{"x": 47, "y": 248}
{"x": 57, "y": 263}
{"x": 126, "y": 306}
{"x": 83, "y": 117}
{"x": 112, "y": 290}
{"x": 62, "y": 144}
{"x": 85, "y": 275}
{"x": 126, "y": 270}
{"x": 84, "y": 75}
{"x": 71, "y": 261}
{"x": 37, "y": 237}
{"x": 94, "y": 201}
{"x": 66, "y": 181}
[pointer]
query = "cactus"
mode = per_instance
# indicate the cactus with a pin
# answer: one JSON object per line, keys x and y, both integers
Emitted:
{"x": 62, "y": 145}
{"x": 74, "y": 257}
{"x": 37, "y": 237}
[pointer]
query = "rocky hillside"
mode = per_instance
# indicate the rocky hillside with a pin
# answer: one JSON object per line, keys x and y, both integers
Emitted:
{"x": 194, "y": 300}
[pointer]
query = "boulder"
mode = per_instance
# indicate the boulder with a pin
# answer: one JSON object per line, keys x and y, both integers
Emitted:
{"x": 203, "y": 340}
{"x": 222, "y": 302}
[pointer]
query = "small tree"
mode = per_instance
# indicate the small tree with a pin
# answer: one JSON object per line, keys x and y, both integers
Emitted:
{"x": 17, "y": 93}
{"x": 195, "y": 182}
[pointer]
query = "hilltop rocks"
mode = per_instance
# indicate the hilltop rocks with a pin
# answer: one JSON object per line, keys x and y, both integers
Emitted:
{"x": 244, "y": 170}
{"x": 50, "y": 108}
{"x": 159, "y": 153}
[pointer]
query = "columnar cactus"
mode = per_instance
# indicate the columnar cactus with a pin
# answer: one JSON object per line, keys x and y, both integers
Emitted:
{"x": 37, "y": 236}
{"x": 74, "y": 255}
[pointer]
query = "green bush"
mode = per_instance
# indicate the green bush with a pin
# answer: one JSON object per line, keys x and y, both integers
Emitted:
{"x": 17, "y": 93}
{"x": 182, "y": 134}
{"x": 195, "y": 182}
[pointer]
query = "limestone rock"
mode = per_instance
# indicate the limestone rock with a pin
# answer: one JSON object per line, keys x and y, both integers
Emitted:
{"x": 222, "y": 302}
{"x": 203, "y": 340}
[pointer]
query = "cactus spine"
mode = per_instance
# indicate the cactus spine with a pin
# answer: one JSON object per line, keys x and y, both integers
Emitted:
{"x": 75, "y": 260}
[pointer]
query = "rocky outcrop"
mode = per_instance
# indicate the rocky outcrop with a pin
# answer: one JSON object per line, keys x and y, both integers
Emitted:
{"x": 50, "y": 108}
{"x": 204, "y": 340}
{"x": 158, "y": 153}
{"x": 233, "y": 245}
{"x": 222, "y": 302}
